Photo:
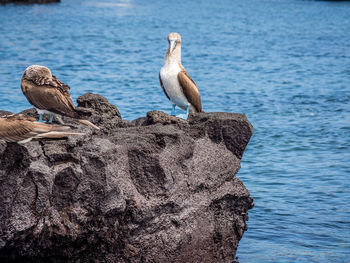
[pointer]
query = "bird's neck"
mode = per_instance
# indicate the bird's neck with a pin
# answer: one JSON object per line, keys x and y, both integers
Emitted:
{"x": 173, "y": 57}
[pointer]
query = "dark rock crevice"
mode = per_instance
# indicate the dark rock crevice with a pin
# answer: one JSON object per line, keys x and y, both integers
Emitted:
{"x": 158, "y": 189}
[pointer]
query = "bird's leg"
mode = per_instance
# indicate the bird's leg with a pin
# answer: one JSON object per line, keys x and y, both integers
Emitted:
{"x": 40, "y": 118}
{"x": 185, "y": 116}
{"x": 173, "y": 110}
{"x": 187, "y": 111}
{"x": 51, "y": 118}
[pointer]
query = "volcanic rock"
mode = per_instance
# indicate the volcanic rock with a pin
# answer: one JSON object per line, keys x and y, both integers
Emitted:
{"x": 158, "y": 189}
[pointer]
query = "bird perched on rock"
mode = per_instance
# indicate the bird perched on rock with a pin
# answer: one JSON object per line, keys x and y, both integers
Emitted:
{"x": 177, "y": 85}
{"x": 21, "y": 129}
{"x": 48, "y": 94}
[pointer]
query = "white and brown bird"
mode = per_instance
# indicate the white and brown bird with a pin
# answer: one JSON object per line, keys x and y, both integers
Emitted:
{"x": 21, "y": 129}
{"x": 48, "y": 94}
{"x": 177, "y": 85}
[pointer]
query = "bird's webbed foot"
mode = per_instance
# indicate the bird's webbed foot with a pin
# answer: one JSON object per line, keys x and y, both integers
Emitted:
{"x": 184, "y": 115}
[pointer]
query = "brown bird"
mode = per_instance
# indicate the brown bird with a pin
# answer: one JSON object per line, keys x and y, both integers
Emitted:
{"x": 21, "y": 129}
{"x": 177, "y": 85}
{"x": 48, "y": 94}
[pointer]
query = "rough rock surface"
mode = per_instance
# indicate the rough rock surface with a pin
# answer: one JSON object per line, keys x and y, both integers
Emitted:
{"x": 158, "y": 189}
{"x": 28, "y": 1}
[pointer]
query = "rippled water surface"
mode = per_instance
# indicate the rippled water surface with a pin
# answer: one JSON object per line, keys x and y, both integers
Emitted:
{"x": 285, "y": 64}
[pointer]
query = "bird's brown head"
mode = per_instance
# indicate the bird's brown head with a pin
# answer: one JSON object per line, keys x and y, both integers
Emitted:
{"x": 36, "y": 73}
{"x": 174, "y": 40}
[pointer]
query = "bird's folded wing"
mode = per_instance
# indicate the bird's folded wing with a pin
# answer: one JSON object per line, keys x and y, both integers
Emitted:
{"x": 190, "y": 90}
{"x": 16, "y": 130}
{"x": 48, "y": 97}
{"x": 161, "y": 84}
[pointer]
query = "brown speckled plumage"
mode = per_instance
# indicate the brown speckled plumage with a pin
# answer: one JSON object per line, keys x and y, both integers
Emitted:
{"x": 46, "y": 92}
{"x": 20, "y": 128}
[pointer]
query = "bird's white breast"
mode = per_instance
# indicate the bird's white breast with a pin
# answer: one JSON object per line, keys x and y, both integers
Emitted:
{"x": 171, "y": 84}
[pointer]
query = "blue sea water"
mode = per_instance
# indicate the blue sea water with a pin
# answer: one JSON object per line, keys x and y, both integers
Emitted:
{"x": 285, "y": 64}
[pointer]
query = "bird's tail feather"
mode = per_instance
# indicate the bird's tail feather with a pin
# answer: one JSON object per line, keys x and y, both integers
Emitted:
{"x": 86, "y": 122}
{"x": 60, "y": 128}
{"x": 57, "y": 134}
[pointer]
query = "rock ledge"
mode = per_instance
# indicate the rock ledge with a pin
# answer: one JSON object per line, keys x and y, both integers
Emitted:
{"x": 158, "y": 189}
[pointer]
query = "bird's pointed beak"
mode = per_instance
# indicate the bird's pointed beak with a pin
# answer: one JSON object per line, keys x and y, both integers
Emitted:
{"x": 172, "y": 44}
